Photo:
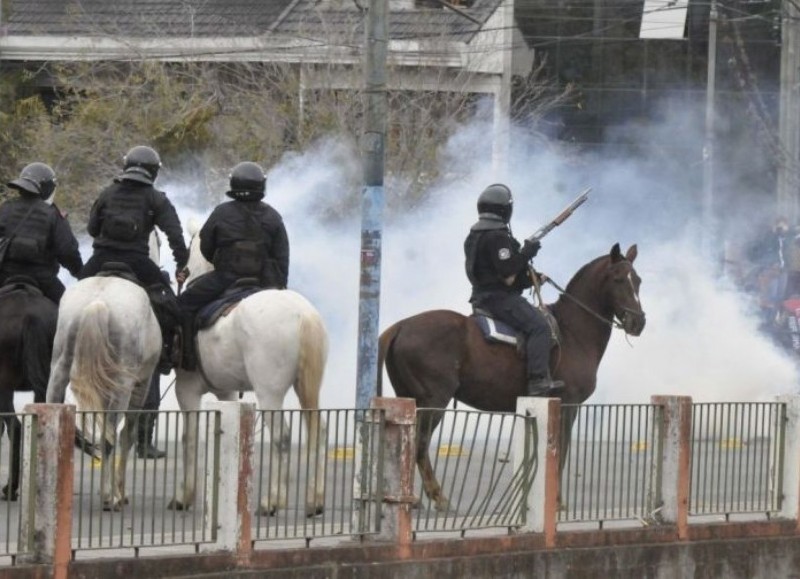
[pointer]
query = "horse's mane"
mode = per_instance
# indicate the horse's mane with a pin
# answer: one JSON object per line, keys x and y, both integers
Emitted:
{"x": 582, "y": 272}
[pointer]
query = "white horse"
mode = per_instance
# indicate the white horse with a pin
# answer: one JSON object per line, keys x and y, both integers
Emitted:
{"x": 272, "y": 340}
{"x": 107, "y": 346}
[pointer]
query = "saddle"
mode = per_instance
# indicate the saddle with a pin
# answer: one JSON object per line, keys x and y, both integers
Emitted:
{"x": 498, "y": 332}
{"x": 118, "y": 269}
{"x": 22, "y": 283}
{"x": 225, "y": 304}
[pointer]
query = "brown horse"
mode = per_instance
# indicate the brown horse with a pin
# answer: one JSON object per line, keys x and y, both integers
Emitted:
{"x": 439, "y": 355}
{"x": 27, "y": 330}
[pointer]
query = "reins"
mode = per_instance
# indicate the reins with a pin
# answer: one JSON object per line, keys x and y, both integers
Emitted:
{"x": 610, "y": 322}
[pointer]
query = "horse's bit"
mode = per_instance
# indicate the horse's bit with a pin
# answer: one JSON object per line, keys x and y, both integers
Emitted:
{"x": 611, "y": 322}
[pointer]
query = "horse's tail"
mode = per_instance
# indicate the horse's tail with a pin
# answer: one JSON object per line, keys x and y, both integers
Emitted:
{"x": 36, "y": 341}
{"x": 96, "y": 374}
{"x": 311, "y": 364}
{"x": 385, "y": 342}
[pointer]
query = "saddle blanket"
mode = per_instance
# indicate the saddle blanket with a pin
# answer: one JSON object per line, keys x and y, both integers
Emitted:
{"x": 210, "y": 313}
{"x": 495, "y": 330}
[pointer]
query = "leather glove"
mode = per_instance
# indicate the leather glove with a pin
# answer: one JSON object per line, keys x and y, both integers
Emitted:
{"x": 530, "y": 248}
{"x": 181, "y": 275}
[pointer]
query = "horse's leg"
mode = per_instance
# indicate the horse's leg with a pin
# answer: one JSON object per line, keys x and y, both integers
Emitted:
{"x": 14, "y": 429}
{"x": 189, "y": 392}
{"x": 568, "y": 416}
{"x": 316, "y": 435}
{"x": 429, "y": 420}
{"x": 317, "y": 438}
{"x": 108, "y": 473}
{"x": 122, "y": 451}
{"x": 278, "y": 455}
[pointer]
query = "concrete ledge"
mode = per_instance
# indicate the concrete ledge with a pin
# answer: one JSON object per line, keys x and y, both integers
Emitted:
{"x": 766, "y": 549}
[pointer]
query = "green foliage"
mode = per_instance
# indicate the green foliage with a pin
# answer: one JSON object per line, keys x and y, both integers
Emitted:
{"x": 209, "y": 117}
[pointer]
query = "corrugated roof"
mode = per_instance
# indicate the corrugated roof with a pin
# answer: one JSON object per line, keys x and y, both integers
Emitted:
{"x": 308, "y": 17}
{"x": 143, "y": 18}
{"x": 232, "y": 18}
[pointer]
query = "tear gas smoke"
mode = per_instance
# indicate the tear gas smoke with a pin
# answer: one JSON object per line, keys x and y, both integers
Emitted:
{"x": 701, "y": 339}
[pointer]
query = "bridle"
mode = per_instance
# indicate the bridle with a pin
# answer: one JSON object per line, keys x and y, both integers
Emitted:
{"x": 612, "y": 322}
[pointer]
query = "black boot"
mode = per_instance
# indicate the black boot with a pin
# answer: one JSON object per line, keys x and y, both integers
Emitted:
{"x": 168, "y": 313}
{"x": 188, "y": 354}
{"x": 165, "y": 361}
{"x": 144, "y": 440}
{"x": 544, "y": 387}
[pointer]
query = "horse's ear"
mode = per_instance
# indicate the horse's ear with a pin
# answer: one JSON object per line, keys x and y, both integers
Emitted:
{"x": 633, "y": 251}
{"x": 616, "y": 253}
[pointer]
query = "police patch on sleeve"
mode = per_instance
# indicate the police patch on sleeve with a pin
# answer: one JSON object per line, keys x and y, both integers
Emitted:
{"x": 504, "y": 253}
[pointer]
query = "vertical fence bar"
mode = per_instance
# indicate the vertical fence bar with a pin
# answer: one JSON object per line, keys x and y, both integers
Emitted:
{"x": 397, "y": 488}
{"x": 789, "y": 445}
{"x": 676, "y": 432}
{"x": 233, "y": 479}
{"x": 542, "y": 501}
{"x": 49, "y": 443}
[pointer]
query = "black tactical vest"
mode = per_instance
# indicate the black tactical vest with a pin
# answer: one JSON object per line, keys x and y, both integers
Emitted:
{"x": 31, "y": 242}
{"x": 246, "y": 256}
{"x": 127, "y": 215}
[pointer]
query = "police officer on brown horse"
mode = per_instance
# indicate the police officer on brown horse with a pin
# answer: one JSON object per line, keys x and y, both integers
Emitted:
{"x": 40, "y": 237}
{"x": 243, "y": 238}
{"x": 498, "y": 269}
{"x": 121, "y": 221}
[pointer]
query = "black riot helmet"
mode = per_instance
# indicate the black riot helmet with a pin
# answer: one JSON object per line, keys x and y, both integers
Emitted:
{"x": 36, "y": 179}
{"x": 248, "y": 181}
{"x": 497, "y": 200}
{"x": 141, "y": 164}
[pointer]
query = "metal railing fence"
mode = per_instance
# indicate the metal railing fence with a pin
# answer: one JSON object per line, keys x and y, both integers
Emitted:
{"x": 143, "y": 519}
{"x": 610, "y": 460}
{"x": 12, "y": 539}
{"x": 327, "y": 489}
{"x": 737, "y": 457}
{"x": 473, "y": 461}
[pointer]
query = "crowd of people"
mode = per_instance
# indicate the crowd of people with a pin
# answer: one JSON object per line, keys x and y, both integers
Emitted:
{"x": 244, "y": 237}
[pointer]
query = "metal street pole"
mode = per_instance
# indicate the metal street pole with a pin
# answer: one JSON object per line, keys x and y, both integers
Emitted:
{"x": 372, "y": 148}
{"x": 789, "y": 120}
{"x": 708, "y": 238}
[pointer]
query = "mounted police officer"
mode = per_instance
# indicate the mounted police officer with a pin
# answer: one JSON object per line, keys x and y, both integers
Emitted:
{"x": 243, "y": 238}
{"x": 121, "y": 221}
{"x": 498, "y": 269}
{"x": 40, "y": 237}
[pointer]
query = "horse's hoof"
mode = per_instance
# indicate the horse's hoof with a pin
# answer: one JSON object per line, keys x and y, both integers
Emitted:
{"x": 9, "y": 496}
{"x": 176, "y": 505}
{"x": 315, "y": 511}
{"x": 267, "y": 511}
{"x": 112, "y": 506}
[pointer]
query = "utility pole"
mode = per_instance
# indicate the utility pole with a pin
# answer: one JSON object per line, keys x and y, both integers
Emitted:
{"x": 708, "y": 221}
{"x": 789, "y": 120}
{"x": 372, "y": 148}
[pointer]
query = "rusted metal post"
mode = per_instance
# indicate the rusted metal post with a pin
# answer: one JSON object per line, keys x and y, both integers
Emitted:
{"x": 47, "y": 474}
{"x": 790, "y": 504}
{"x": 398, "y": 482}
{"x": 676, "y": 433}
{"x": 543, "y": 415}
{"x": 231, "y": 482}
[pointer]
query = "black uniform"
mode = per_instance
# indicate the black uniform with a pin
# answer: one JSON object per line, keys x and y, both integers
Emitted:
{"x": 242, "y": 238}
{"x": 492, "y": 257}
{"x": 121, "y": 222}
{"x": 41, "y": 241}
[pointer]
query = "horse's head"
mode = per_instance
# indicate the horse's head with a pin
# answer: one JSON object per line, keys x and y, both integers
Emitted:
{"x": 622, "y": 286}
